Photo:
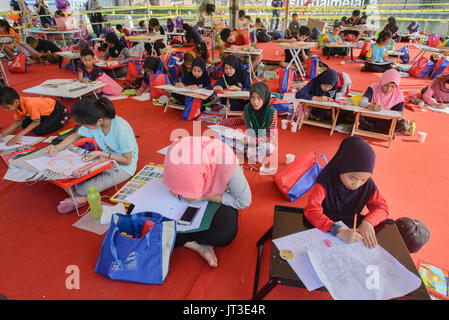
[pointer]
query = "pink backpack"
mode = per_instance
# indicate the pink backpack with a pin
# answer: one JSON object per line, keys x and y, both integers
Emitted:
{"x": 112, "y": 88}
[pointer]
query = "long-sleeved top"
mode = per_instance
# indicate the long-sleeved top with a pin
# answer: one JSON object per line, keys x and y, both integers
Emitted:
{"x": 368, "y": 96}
{"x": 124, "y": 54}
{"x": 238, "y": 192}
{"x": 377, "y": 207}
{"x": 271, "y": 132}
{"x": 429, "y": 98}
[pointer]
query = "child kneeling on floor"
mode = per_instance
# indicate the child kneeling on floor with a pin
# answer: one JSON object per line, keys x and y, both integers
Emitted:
{"x": 260, "y": 120}
{"x": 39, "y": 115}
{"x": 113, "y": 135}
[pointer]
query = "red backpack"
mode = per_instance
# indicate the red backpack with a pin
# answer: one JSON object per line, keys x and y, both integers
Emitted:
{"x": 19, "y": 64}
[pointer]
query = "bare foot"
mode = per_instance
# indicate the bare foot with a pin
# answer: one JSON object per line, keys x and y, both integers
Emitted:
{"x": 206, "y": 251}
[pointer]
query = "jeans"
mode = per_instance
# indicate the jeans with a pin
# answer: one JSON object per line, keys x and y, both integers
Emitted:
{"x": 276, "y": 13}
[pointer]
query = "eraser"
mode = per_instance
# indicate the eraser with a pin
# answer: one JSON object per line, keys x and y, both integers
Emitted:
{"x": 327, "y": 241}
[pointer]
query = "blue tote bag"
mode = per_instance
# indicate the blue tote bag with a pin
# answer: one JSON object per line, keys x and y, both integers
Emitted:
{"x": 307, "y": 180}
{"x": 137, "y": 259}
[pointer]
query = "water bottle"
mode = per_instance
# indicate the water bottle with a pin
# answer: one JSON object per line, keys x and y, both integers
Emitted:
{"x": 94, "y": 199}
{"x": 260, "y": 71}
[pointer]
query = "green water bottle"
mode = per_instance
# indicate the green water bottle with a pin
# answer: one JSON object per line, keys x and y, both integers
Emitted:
{"x": 94, "y": 199}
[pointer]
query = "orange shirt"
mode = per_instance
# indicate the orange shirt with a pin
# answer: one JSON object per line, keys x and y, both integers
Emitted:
{"x": 34, "y": 107}
{"x": 241, "y": 39}
{"x": 12, "y": 33}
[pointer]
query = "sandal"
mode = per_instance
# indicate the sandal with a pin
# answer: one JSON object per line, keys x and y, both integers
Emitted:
{"x": 69, "y": 206}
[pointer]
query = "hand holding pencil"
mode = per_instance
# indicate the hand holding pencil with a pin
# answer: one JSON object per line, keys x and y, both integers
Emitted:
{"x": 350, "y": 235}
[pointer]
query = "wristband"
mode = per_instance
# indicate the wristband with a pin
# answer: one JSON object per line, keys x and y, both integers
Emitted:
{"x": 334, "y": 229}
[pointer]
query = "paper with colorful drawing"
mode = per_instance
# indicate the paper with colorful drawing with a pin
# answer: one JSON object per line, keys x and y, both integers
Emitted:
{"x": 65, "y": 162}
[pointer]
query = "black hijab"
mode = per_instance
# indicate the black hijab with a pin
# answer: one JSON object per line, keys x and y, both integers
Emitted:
{"x": 188, "y": 79}
{"x": 329, "y": 76}
{"x": 239, "y": 76}
{"x": 353, "y": 155}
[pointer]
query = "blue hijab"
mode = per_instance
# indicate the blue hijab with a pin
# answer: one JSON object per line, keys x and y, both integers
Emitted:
{"x": 414, "y": 23}
{"x": 340, "y": 203}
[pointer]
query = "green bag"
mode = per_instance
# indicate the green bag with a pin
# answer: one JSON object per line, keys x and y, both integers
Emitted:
{"x": 320, "y": 40}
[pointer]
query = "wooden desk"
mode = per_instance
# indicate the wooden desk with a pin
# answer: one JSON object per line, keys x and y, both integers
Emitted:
{"x": 170, "y": 89}
{"x": 334, "y": 107}
{"x": 67, "y": 88}
{"x": 244, "y": 95}
{"x": 289, "y": 220}
{"x": 384, "y": 114}
{"x": 424, "y": 49}
{"x": 70, "y": 55}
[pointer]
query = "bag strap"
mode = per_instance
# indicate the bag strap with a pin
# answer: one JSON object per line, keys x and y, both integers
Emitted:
{"x": 322, "y": 156}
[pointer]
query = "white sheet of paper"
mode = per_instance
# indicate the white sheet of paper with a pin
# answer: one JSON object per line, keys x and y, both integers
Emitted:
{"x": 300, "y": 243}
{"x": 65, "y": 162}
{"x": 356, "y": 272}
{"x": 25, "y": 140}
{"x": 142, "y": 97}
{"x": 443, "y": 110}
{"x": 156, "y": 197}
{"x": 108, "y": 211}
{"x": 113, "y": 98}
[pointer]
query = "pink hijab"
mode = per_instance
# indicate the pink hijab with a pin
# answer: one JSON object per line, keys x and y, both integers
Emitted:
{"x": 199, "y": 166}
{"x": 440, "y": 93}
{"x": 387, "y": 101}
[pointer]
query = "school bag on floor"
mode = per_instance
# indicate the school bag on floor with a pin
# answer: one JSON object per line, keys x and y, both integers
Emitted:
{"x": 133, "y": 70}
{"x": 127, "y": 254}
{"x": 312, "y": 67}
{"x": 19, "y": 63}
{"x": 440, "y": 67}
{"x": 299, "y": 176}
{"x": 365, "y": 49}
{"x": 192, "y": 109}
{"x": 433, "y": 40}
{"x": 285, "y": 79}
{"x": 112, "y": 88}
{"x": 421, "y": 68}
{"x": 158, "y": 79}
{"x": 405, "y": 58}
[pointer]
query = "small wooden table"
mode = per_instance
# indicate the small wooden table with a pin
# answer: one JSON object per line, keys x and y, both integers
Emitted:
{"x": 334, "y": 107}
{"x": 70, "y": 55}
{"x": 170, "y": 89}
{"x": 67, "y": 88}
{"x": 244, "y": 95}
{"x": 349, "y": 45}
{"x": 289, "y": 220}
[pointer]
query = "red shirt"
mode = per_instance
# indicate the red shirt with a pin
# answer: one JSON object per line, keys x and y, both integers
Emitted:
{"x": 242, "y": 38}
{"x": 377, "y": 206}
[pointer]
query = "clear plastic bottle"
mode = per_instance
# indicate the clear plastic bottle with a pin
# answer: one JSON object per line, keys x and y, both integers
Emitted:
{"x": 94, "y": 199}
{"x": 291, "y": 113}
{"x": 260, "y": 70}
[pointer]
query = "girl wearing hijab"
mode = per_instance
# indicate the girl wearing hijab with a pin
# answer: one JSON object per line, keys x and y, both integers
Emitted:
{"x": 117, "y": 51}
{"x": 344, "y": 188}
{"x": 234, "y": 79}
{"x": 170, "y": 25}
{"x": 321, "y": 88}
{"x": 260, "y": 120}
{"x": 384, "y": 95}
{"x": 192, "y": 36}
{"x": 411, "y": 29}
{"x": 196, "y": 79}
{"x": 203, "y": 168}
{"x": 436, "y": 94}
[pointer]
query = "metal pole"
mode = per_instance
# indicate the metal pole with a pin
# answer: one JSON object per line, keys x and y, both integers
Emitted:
{"x": 287, "y": 5}
{"x": 233, "y": 10}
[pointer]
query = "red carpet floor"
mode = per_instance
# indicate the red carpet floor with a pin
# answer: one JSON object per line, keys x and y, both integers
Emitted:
{"x": 37, "y": 244}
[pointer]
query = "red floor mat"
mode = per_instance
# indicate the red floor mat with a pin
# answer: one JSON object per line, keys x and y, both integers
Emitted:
{"x": 37, "y": 244}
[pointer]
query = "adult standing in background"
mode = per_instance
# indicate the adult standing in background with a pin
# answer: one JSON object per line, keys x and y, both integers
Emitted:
{"x": 95, "y": 17}
{"x": 276, "y": 14}
{"x": 63, "y": 5}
